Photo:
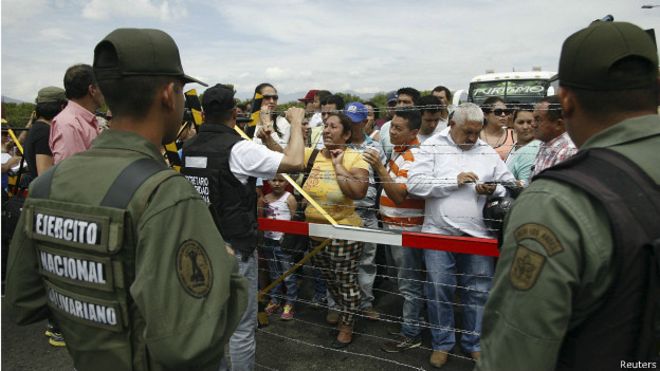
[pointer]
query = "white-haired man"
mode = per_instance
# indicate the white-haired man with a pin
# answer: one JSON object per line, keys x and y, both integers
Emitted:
{"x": 455, "y": 172}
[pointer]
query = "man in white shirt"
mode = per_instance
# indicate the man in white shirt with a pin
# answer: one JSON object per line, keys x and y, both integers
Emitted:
{"x": 455, "y": 172}
{"x": 223, "y": 167}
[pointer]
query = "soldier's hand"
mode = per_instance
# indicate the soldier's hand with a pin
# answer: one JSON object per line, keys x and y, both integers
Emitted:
{"x": 467, "y": 177}
{"x": 295, "y": 115}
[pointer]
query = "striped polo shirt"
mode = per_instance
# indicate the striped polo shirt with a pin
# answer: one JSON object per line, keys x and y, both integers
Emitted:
{"x": 411, "y": 211}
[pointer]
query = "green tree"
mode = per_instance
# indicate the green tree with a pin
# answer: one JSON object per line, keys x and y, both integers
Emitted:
{"x": 350, "y": 98}
{"x": 17, "y": 114}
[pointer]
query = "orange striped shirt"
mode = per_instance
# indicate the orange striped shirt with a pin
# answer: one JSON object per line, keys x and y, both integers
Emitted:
{"x": 411, "y": 211}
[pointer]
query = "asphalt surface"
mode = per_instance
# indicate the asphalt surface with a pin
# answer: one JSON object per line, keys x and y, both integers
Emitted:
{"x": 301, "y": 344}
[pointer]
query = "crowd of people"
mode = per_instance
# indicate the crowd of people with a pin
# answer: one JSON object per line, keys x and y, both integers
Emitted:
{"x": 418, "y": 164}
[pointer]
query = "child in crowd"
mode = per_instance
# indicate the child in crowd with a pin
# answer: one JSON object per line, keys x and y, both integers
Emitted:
{"x": 281, "y": 205}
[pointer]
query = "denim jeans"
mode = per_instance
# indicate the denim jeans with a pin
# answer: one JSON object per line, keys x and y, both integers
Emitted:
{"x": 474, "y": 275}
{"x": 278, "y": 263}
{"x": 411, "y": 286}
{"x": 410, "y": 278}
{"x": 367, "y": 268}
{"x": 243, "y": 342}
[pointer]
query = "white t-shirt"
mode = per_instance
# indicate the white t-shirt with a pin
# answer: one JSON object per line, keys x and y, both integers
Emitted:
{"x": 249, "y": 159}
{"x": 316, "y": 120}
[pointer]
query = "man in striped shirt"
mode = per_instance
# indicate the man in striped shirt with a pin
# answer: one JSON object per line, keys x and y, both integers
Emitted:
{"x": 399, "y": 211}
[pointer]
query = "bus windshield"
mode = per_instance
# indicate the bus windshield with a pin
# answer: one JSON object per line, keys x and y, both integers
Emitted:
{"x": 523, "y": 91}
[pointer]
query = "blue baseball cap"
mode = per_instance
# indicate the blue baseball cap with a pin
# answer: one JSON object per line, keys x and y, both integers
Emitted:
{"x": 356, "y": 111}
{"x": 391, "y": 97}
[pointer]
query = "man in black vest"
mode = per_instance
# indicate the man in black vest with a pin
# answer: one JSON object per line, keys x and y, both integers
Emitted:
{"x": 223, "y": 168}
{"x": 573, "y": 286}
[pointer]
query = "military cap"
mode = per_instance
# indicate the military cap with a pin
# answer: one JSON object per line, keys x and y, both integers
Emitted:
{"x": 218, "y": 98}
{"x": 50, "y": 94}
{"x": 588, "y": 55}
{"x": 138, "y": 52}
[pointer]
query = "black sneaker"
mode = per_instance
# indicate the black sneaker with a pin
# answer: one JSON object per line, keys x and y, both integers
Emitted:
{"x": 403, "y": 344}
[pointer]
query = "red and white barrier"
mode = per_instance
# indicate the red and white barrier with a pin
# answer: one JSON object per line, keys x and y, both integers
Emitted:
{"x": 465, "y": 245}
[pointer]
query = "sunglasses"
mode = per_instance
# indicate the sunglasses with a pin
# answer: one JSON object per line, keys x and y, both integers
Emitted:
{"x": 273, "y": 97}
{"x": 501, "y": 112}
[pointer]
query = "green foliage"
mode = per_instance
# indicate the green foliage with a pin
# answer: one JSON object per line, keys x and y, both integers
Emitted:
{"x": 17, "y": 114}
{"x": 285, "y": 106}
{"x": 348, "y": 98}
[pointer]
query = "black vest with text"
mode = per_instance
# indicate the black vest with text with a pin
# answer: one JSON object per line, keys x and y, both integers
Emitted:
{"x": 621, "y": 329}
{"x": 232, "y": 204}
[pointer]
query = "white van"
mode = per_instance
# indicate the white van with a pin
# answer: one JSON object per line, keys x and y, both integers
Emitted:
{"x": 519, "y": 87}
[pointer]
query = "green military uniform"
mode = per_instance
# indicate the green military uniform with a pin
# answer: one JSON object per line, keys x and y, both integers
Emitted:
{"x": 556, "y": 266}
{"x": 166, "y": 321}
{"x": 556, "y": 260}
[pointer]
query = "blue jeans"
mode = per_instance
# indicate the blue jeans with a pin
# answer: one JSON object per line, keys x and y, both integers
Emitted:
{"x": 474, "y": 274}
{"x": 411, "y": 286}
{"x": 243, "y": 343}
{"x": 367, "y": 268}
{"x": 278, "y": 263}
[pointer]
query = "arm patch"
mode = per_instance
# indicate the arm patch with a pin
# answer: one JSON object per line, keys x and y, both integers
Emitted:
{"x": 194, "y": 269}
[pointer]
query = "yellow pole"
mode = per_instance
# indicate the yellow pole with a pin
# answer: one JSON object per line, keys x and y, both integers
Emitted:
{"x": 299, "y": 264}
{"x": 13, "y": 137}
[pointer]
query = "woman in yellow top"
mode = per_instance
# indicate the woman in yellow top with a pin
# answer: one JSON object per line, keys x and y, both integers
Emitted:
{"x": 339, "y": 176}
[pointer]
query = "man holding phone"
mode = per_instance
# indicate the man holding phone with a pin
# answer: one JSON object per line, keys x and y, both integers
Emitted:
{"x": 455, "y": 172}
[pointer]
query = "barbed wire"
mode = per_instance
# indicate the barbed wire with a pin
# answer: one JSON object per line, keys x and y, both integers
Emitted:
{"x": 382, "y": 266}
{"x": 394, "y": 319}
{"x": 511, "y": 108}
{"x": 347, "y": 271}
{"x": 298, "y": 341}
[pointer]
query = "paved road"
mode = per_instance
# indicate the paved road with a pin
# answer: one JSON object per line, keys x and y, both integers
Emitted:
{"x": 302, "y": 344}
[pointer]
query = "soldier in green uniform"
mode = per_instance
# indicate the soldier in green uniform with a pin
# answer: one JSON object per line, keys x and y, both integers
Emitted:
{"x": 557, "y": 264}
{"x": 118, "y": 249}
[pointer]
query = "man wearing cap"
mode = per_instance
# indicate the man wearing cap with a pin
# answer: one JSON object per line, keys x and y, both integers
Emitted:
{"x": 309, "y": 102}
{"x": 50, "y": 101}
{"x": 223, "y": 167}
{"x": 119, "y": 249}
{"x": 557, "y": 296}
{"x": 74, "y": 129}
{"x": 366, "y": 207}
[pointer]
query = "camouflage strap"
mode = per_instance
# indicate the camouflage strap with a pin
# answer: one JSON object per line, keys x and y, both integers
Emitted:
{"x": 129, "y": 180}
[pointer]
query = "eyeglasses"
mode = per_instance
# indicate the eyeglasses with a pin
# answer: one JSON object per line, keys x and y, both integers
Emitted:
{"x": 273, "y": 97}
{"x": 501, "y": 111}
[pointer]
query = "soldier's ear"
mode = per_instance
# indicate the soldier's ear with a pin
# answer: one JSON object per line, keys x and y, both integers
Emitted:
{"x": 567, "y": 101}
{"x": 168, "y": 96}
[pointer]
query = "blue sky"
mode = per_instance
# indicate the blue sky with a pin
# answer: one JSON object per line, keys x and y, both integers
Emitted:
{"x": 361, "y": 45}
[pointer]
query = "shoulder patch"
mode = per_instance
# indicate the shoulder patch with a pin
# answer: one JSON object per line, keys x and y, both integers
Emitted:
{"x": 526, "y": 268}
{"x": 541, "y": 234}
{"x": 194, "y": 269}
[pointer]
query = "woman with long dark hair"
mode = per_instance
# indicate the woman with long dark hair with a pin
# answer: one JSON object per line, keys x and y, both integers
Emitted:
{"x": 265, "y": 100}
